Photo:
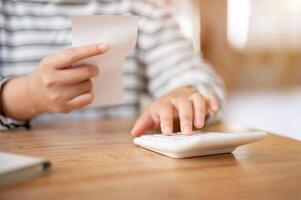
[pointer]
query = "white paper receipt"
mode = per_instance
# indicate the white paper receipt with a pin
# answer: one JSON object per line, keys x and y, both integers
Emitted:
{"x": 120, "y": 33}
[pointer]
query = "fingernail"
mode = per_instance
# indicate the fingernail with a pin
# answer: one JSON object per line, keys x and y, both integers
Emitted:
{"x": 167, "y": 130}
{"x": 134, "y": 130}
{"x": 103, "y": 46}
{"x": 200, "y": 122}
{"x": 187, "y": 129}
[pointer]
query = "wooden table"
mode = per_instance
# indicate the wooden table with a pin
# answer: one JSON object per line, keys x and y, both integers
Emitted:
{"x": 97, "y": 160}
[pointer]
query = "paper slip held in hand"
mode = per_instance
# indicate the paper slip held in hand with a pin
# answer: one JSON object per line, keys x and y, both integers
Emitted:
{"x": 120, "y": 33}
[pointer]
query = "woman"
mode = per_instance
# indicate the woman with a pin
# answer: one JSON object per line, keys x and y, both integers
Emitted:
{"x": 37, "y": 77}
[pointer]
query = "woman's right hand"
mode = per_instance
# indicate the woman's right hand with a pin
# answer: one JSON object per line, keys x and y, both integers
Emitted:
{"x": 57, "y": 86}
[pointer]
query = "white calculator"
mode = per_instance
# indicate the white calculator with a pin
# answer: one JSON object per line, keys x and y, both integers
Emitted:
{"x": 197, "y": 144}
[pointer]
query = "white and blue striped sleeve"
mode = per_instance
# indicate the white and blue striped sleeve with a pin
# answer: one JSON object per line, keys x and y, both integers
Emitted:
{"x": 170, "y": 59}
{"x": 7, "y": 123}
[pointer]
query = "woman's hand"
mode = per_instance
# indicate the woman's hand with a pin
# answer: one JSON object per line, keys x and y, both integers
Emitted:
{"x": 58, "y": 86}
{"x": 54, "y": 86}
{"x": 184, "y": 104}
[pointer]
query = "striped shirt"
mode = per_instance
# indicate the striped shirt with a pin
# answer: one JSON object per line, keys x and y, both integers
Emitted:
{"x": 162, "y": 60}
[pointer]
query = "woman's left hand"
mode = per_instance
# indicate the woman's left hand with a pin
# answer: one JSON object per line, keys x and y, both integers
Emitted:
{"x": 184, "y": 104}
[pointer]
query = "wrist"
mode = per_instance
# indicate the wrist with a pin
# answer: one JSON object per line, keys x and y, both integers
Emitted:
{"x": 16, "y": 101}
{"x": 35, "y": 106}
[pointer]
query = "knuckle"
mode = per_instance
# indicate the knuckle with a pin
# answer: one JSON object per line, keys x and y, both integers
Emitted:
{"x": 54, "y": 97}
{"x": 164, "y": 103}
{"x": 66, "y": 111}
{"x": 214, "y": 99}
{"x": 161, "y": 105}
{"x": 48, "y": 80}
{"x": 176, "y": 99}
{"x": 44, "y": 63}
{"x": 68, "y": 76}
{"x": 197, "y": 95}
{"x": 183, "y": 101}
{"x": 155, "y": 105}
{"x": 89, "y": 84}
{"x": 72, "y": 53}
{"x": 62, "y": 109}
{"x": 211, "y": 97}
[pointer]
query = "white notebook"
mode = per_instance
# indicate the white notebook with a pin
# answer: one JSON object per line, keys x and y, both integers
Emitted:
{"x": 198, "y": 144}
{"x": 15, "y": 168}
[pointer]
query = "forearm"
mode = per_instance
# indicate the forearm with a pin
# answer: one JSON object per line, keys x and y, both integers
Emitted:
{"x": 16, "y": 99}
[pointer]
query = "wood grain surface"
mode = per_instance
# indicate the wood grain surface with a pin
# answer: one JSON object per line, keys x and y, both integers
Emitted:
{"x": 97, "y": 160}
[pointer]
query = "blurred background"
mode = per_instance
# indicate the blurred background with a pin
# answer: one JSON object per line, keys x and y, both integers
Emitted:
{"x": 255, "y": 45}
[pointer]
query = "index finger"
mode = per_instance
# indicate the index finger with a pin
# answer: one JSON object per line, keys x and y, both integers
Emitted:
{"x": 73, "y": 55}
{"x": 145, "y": 122}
